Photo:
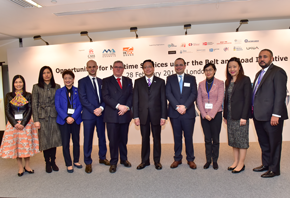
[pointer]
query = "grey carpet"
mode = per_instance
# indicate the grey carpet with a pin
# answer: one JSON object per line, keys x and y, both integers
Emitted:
{"x": 149, "y": 182}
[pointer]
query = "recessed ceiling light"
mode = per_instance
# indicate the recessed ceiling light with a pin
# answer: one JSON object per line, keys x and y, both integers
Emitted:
{"x": 33, "y": 3}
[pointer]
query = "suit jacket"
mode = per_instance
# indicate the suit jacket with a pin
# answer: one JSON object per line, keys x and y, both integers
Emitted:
{"x": 186, "y": 98}
{"x": 151, "y": 101}
{"x": 271, "y": 94}
{"x": 113, "y": 95}
{"x": 88, "y": 98}
{"x": 11, "y": 109}
{"x": 216, "y": 98}
{"x": 61, "y": 105}
{"x": 240, "y": 100}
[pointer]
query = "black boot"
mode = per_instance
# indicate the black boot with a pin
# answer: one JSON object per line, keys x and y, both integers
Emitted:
{"x": 52, "y": 159}
{"x": 46, "y": 155}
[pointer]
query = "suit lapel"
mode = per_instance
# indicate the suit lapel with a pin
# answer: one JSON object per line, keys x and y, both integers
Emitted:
{"x": 175, "y": 84}
{"x": 268, "y": 72}
{"x": 63, "y": 92}
{"x": 89, "y": 83}
{"x": 115, "y": 83}
{"x": 144, "y": 84}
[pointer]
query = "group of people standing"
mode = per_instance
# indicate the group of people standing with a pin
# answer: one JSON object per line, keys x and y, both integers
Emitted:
{"x": 112, "y": 103}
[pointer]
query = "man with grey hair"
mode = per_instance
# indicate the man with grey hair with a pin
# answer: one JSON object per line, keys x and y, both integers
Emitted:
{"x": 117, "y": 94}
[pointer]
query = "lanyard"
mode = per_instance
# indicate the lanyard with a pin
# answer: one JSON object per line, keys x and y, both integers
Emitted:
{"x": 70, "y": 99}
{"x": 208, "y": 89}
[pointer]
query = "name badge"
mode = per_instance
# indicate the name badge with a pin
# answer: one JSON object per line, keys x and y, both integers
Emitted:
{"x": 208, "y": 105}
{"x": 18, "y": 116}
{"x": 186, "y": 84}
{"x": 70, "y": 111}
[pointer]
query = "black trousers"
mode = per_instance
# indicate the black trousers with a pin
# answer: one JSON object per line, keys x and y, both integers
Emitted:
{"x": 270, "y": 140}
{"x": 68, "y": 130}
{"x": 186, "y": 126}
{"x": 118, "y": 137}
{"x": 211, "y": 130}
{"x": 145, "y": 133}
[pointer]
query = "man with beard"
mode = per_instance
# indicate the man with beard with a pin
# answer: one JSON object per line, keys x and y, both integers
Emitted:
{"x": 269, "y": 112}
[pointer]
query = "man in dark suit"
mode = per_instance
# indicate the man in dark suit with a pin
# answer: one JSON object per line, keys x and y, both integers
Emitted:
{"x": 90, "y": 95}
{"x": 149, "y": 108}
{"x": 181, "y": 92}
{"x": 117, "y": 94}
{"x": 269, "y": 112}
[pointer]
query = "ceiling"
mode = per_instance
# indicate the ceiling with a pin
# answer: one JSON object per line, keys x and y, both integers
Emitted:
{"x": 58, "y": 17}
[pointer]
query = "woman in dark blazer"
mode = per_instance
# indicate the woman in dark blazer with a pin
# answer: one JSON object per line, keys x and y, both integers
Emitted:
{"x": 68, "y": 107}
{"x": 209, "y": 101}
{"x": 237, "y": 109}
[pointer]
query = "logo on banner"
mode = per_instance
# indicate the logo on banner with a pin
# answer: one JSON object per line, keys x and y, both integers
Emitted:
{"x": 200, "y": 50}
{"x": 109, "y": 53}
{"x": 252, "y": 48}
{"x": 156, "y": 45}
{"x": 171, "y": 52}
{"x": 226, "y": 49}
{"x": 238, "y": 41}
{"x": 171, "y": 45}
{"x": 193, "y": 44}
{"x": 224, "y": 42}
{"x": 91, "y": 54}
{"x": 251, "y": 41}
{"x": 128, "y": 51}
{"x": 213, "y": 49}
{"x": 183, "y": 45}
{"x": 238, "y": 48}
{"x": 184, "y": 51}
{"x": 207, "y": 43}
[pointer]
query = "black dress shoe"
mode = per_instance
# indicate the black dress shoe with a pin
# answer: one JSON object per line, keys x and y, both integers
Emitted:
{"x": 269, "y": 174}
{"x": 158, "y": 166}
{"x": 261, "y": 168}
{"x": 142, "y": 165}
{"x": 231, "y": 168}
{"x": 206, "y": 166}
{"x": 215, "y": 165}
{"x": 235, "y": 171}
{"x": 104, "y": 161}
{"x": 30, "y": 172}
{"x": 113, "y": 168}
{"x": 20, "y": 174}
{"x": 126, "y": 163}
{"x": 78, "y": 166}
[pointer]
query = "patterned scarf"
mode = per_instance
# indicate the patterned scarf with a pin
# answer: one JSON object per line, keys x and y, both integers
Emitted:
{"x": 18, "y": 100}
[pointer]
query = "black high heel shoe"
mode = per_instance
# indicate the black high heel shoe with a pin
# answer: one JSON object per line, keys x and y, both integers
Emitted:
{"x": 20, "y": 174}
{"x": 231, "y": 168}
{"x": 30, "y": 172}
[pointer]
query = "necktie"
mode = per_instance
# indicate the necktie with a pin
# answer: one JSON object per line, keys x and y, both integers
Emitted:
{"x": 257, "y": 85}
{"x": 180, "y": 83}
{"x": 119, "y": 82}
{"x": 149, "y": 82}
{"x": 95, "y": 87}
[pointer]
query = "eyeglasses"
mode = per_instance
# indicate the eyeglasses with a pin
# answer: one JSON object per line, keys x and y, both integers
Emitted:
{"x": 208, "y": 70}
{"x": 118, "y": 67}
{"x": 148, "y": 67}
{"x": 181, "y": 65}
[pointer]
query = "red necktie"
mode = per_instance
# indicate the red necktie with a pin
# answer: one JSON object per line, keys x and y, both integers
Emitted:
{"x": 119, "y": 82}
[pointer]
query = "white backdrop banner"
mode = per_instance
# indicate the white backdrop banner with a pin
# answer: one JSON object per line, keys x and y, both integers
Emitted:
{"x": 197, "y": 50}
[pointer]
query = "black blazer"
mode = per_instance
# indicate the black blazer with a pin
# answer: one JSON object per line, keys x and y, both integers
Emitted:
{"x": 112, "y": 95}
{"x": 151, "y": 101}
{"x": 271, "y": 94}
{"x": 240, "y": 100}
{"x": 187, "y": 98}
{"x": 10, "y": 109}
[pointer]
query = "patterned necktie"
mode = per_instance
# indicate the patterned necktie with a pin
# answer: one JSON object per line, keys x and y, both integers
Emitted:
{"x": 149, "y": 82}
{"x": 257, "y": 85}
{"x": 119, "y": 82}
{"x": 180, "y": 83}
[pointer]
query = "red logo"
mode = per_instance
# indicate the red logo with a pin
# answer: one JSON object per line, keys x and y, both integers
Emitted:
{"x": 204, "y": 43}
{"x": 128, "y": 51}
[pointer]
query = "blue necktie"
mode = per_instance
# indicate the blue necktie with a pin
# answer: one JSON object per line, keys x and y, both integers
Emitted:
{"x": 257, "y": 85}
{"x": 180, "y": 83}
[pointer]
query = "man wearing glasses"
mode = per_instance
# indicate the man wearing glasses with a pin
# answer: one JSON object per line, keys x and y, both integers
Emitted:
{"x": 149, "y": 110}
{"x": 181, "y": 92}
{"x": 117, "y": 94}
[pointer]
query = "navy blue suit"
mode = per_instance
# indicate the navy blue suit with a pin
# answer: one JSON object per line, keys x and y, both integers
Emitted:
{"x": 117, "y": 125}
{"x": 180, "y": 122}
{"x": 90, "y": 101}
{"x": 61, "y": 106}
